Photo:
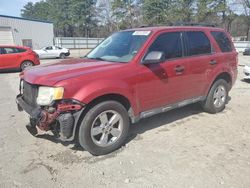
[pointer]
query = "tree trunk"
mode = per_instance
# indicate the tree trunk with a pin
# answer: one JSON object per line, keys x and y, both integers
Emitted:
{"x": 248, "y": 28}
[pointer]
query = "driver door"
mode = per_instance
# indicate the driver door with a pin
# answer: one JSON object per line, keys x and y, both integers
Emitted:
{"x": 164, "y": 83}
{"x": 48, "y": 52}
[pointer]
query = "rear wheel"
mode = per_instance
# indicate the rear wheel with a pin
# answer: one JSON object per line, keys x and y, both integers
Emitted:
{"x": 217, "y": 97}
{"x": 104, "y": 128}
{"x": 26, "y": 64}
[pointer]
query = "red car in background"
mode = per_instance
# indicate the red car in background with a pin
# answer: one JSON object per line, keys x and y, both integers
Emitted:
{"x": 17, "y": 58}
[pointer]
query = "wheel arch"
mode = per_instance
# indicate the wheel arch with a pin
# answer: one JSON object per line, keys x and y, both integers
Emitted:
{"x": 24, "y": 61}
{"x": 106, "y": 97}
{"x": 223, "y": 75}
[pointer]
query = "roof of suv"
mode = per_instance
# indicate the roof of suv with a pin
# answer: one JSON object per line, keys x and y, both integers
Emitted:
{"x": 160, "y": 28}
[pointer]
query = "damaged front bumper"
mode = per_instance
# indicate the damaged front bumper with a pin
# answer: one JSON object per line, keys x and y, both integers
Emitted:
{"x": 61, "y": 118}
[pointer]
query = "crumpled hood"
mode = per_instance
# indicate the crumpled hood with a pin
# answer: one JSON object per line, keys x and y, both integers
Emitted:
{"x": 50, "y": 74}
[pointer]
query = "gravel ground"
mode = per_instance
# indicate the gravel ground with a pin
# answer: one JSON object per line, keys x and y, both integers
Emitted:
{"x": 184, "y": 148}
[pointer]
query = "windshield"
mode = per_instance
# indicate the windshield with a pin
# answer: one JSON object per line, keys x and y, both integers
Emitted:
{"x": 120, "y": 47}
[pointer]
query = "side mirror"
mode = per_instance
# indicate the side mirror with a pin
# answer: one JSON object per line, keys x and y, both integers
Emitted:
{"x": 154, "y": 57}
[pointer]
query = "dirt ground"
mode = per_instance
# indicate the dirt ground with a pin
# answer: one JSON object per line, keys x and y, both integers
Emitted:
{"x": 184, "y": 148}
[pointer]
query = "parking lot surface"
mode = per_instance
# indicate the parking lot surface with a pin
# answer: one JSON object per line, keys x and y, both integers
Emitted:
{"x": 184, "y": 148}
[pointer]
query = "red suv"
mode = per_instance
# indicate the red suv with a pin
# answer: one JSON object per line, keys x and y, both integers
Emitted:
{"x": 17, "y": 58}
{"x": 133, "y": 74}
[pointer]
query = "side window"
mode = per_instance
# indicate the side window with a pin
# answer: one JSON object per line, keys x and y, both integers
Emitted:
{"x": 222, "y": 40}
{"x": 49, "y": 48}
{"x": 9, "y": 50}
{"x": 169, "y": 43}
{"x": 20, "y": 50}
{"x": 198, "y": 43}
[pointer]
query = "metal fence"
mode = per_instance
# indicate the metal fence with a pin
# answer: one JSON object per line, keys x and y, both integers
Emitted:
{"x": 89, "y": 43}
{"x": 77, "y": 42}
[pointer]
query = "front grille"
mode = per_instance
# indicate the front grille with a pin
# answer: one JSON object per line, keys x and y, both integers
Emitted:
{"x": 30, "y": 93}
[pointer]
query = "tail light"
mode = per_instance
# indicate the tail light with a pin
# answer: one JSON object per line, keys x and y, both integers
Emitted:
{"x": 33, "y": 53}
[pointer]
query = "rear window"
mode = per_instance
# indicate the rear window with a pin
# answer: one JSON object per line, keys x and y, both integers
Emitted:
{"x": 198, "y": 43}
{"x": 20, "y": 50}
{"x": 57, "y": 47}
{"x": 222, "y": 40}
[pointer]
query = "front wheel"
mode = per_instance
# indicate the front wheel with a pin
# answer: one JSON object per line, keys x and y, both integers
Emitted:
{"x": 104, "y": 128}
{"x": 62, "y": 56}
{"x": 217, "y": 97}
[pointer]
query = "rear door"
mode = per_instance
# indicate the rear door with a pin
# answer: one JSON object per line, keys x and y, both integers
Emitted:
{"x": 227, "y": 52}
{"x": 164, "y": 83}
{"x": 201, "y": 59}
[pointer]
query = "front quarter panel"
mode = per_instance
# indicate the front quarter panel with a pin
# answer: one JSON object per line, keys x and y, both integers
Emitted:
{"x": 87, "y": 92}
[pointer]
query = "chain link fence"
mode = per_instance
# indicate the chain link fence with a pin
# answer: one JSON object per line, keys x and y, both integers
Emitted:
{"x": 77, "y": 42}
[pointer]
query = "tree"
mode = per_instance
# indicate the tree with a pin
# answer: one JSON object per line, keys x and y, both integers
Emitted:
{"x": 99, "y": 18}
{"x": 207, "y": 9}
{"x": 157, "y": 12}
{"x": 28, "y": 10}
{"x": 125, "y": 13}
{"x": 183, "y": 10}
{"x": 246, "y": 5}
{"x": 70, "y": 17}
{"x": 39, "y": 10}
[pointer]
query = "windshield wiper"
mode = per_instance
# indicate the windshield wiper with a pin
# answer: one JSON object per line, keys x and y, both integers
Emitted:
{"x": 96, "y": 58}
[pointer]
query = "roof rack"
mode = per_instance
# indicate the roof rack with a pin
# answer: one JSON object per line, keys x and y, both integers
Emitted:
{"x": 194, "y": 24}
{"x": 142, "y": 26}
{"x": 182, "y": 24}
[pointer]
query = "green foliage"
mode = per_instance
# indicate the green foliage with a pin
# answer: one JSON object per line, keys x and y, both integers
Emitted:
{"x": 125, "y": 13}
{"x": 157, "y": 11}
{"x": 183, "y": 11}
{"x": 70, "y": 17}
{"x": 85, "y": 18}
{"x": 208, "y": 8}
{"x": 39, "y": 10}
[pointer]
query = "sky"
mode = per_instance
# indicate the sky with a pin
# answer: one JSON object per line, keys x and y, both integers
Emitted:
{"x": 13, "y": 7}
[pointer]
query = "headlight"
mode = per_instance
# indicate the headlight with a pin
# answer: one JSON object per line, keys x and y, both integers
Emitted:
{"x": 46, "y": 95}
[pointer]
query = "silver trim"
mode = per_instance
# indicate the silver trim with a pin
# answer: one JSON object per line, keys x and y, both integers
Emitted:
{"x": 107, "y": 128}
{"x": 170, "y": 107}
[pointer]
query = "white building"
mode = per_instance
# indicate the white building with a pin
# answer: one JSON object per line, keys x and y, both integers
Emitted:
{"x": 25, "y": 32}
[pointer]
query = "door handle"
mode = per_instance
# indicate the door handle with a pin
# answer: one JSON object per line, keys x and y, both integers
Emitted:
{"x": 213, "y": 62}
{"x": 179, "y": 69}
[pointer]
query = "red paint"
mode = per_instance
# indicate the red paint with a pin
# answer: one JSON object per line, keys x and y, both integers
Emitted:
{"x": 48, "y": 118}
{"x": 68, "y": 107}
{"x": 14, "y": 60}
{"x": 145, "y": 86}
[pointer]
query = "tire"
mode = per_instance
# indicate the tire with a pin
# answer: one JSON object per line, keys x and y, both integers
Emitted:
{"x": 26, "y": 64}
{"x": 217, "y": 97}
{"x": 33, "y": 122}
{"x": 96, "y": 130}
{"x": 32, "y": 127}
{"x": 62, "y": 56}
